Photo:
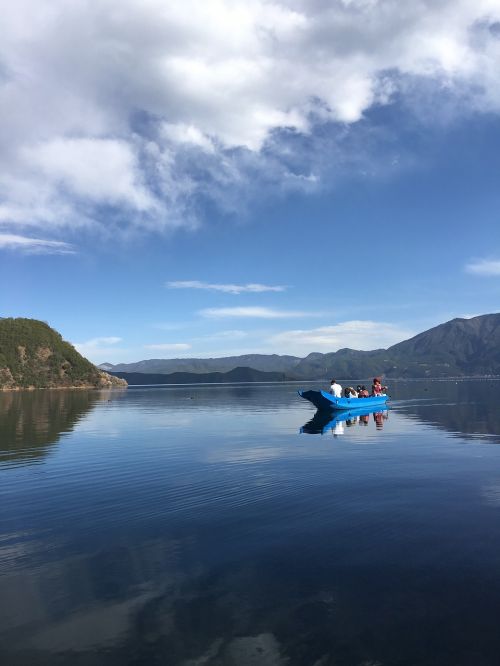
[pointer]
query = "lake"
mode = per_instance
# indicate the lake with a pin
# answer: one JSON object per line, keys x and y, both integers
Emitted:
{"x": 223, "y": 525}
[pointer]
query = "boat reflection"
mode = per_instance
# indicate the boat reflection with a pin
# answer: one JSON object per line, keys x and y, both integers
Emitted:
{"x": 325, "y": 421}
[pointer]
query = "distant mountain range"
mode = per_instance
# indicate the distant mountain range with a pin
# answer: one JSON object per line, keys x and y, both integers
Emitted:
{"x": 236, "y": 375}
{"x": 262, "y": 362}
{"x": 460, "y": 347}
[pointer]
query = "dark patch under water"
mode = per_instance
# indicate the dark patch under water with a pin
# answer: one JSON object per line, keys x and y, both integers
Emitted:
{"x": 221, "y": 526}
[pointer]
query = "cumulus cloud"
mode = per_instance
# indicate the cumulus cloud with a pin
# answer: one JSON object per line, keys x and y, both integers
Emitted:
{"x": 254, "y": 288}
{"x": 100, "y": 170}
{"x": 254, "y": 312}
{"x": 126, "y": 115}
{"x": 362, "y": 335}
{"x": 486, "y": 267}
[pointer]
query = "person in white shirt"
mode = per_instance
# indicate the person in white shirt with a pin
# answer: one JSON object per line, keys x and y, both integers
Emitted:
{"x": 335, "y": 389}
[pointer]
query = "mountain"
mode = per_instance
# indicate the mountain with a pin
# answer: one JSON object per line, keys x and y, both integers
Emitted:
{"x": 343, "y": 363}
{"x": 235, "y": 375}
{"x": 33, "y": 355}
{"x": 105, "y": 366}
{"x": 460, "y": 347}
{"x": 263, "y": 362}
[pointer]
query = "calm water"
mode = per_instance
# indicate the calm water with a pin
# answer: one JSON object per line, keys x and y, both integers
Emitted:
{"x": 218, "y": 526}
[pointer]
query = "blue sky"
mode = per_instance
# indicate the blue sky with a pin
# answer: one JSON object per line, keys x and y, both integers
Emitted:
{"x": 227, "y": 178}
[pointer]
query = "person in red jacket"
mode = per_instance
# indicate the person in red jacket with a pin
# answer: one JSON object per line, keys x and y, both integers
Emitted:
{"x": 377, "y": 388}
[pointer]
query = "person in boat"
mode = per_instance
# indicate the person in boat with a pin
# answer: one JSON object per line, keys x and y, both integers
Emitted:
{"x": 349, "y": 392}
{"x": 377, "y": 388}
{"x": 335, "y": 389}
{"x": 363, "y": 392}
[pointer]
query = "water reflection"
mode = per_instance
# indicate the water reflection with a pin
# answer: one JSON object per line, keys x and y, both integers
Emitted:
{"x": 161, "y": 604}
{"x": 460, "y": 407}
{"x": 31, "y": 422}
{"x": 195, "y": 527}
{"x": 249, "y": 397}
{"x": 336, "y": 422}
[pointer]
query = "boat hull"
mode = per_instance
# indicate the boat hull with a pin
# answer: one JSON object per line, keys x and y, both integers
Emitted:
{"x": 324, "y": 400}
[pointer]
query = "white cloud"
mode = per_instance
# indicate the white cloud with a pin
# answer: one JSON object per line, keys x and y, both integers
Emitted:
{"x": 227, "y": 335}
{"x": 140, "y": 107}
{"x": 188, "y": 134}
{"x": 97, "y": 342}
{"x": 169, "y": 346}
{"x": 256, "y": 312}
{"x": 486, "y": 267}
{"x": 362, "y": 335}
{"x": 34, "y": 245}
{"x": 102, "y": 170}
{"x": 100, "y": 349}
{"x": 222, "y": 336}
{"x": 226, "y": 288}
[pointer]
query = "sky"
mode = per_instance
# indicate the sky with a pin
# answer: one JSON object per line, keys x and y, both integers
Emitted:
{"x": 204, "y": 179}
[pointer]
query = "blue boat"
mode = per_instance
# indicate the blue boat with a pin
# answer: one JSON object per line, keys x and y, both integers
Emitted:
{"x": 324, "y": 400}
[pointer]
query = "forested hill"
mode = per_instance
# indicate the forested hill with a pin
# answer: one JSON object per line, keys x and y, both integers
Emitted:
{"x": 460, "y": 347}
{"x": 33, "y": 355}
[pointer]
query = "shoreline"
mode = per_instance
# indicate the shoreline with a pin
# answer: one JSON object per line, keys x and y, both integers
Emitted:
{"x": 61, "y": 388}
{"x": 256, "y": 383}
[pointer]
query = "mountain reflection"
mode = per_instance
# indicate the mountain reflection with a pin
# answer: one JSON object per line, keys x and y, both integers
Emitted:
{"x": 471, "y": 421}
{"x": 463, "y": 408}
{"x": 31, "y": 422}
